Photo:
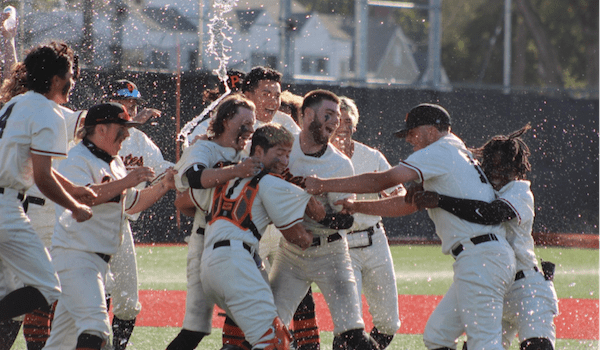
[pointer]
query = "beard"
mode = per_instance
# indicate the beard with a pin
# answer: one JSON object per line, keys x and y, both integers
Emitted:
{"x": 315, "y": 128}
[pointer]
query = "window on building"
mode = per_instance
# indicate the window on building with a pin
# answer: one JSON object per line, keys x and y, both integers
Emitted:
{"x": 314, "y": 65}
{"x": 159, "y": 60}
{"x": 133, "y": 58}
{"x": 263, "y": 59}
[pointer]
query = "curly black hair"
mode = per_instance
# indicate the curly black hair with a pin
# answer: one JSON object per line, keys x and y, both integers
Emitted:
{"x": 511, "y": 149}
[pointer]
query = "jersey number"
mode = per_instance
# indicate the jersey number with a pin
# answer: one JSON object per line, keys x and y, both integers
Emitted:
{"x": 4, "y": 118}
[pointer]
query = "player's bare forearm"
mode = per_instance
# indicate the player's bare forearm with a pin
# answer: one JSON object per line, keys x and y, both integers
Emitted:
{"x": 82, "y": 194}
{"x": 363, "y": 183}
{"x": 388, "y": 207}
{"x": 109, "y": 190}
{"x": 298, "y": 235}
{"x": 150, "y": 195}
{"x": 315, "y": 210}
{"x": 214, "y": 177}
{"x": 183, "y": 202}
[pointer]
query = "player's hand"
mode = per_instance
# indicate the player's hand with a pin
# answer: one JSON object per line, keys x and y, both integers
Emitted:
{"x": 81, "y": 213}
{"x": 348, "y": 205}
{"x": 396, "y": 192}
{"x": 7, "y": 34}
{"x": 248, "y": 167}
{"x": 305, "y": 241}
{"x": 146, "y": 114}
{"x": 315, "y": 210}
{"x": 139, "y": 175}
{"x": 168, "y": 179}
{"x": 84, "y": 195}
{"x": 411, "y": 189}
{"x": 426, "y": 199}
{"x": 313, "y": 185}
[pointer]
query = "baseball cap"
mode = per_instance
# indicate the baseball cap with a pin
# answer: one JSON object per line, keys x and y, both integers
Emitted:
{"x": 424, "y": 114}
{"x": 107, "y": 113}
{"x": 124, "y": 89}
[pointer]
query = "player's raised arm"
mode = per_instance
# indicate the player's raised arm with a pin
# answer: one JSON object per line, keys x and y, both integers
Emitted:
{"x": 388, "y": 207}
{"x": 364, "y": 183}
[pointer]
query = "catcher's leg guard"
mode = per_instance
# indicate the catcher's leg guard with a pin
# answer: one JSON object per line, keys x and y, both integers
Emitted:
{"x": 338, "y": 343}
{"x": 537, "y": 344}
{"x": 358, "y": 339}
{"x": 277, "y": 337}
{"x": 383, "y": 340}
{"x": 186, "y": 340}
{"x": 36, "y": 327}
{"x": 304, "y": 325}
{"x": 9, "y": 330}
{"x": 233, "y": 335}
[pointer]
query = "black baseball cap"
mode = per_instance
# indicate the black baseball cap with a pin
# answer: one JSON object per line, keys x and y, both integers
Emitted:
{"x": 424, "y": 114}
{"x": 108, "y": 113}
{"x": 124, "y": 89}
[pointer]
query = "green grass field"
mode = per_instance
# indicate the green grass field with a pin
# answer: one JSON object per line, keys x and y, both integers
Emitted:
{"x": 419, "y": 270}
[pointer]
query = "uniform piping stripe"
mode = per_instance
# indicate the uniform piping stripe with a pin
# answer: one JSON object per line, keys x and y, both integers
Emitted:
{"x": 135, "y": 200}
{"x": 413, "y": 168}
{"x": 194, "y": 198}
{"x": 53, "y": 154}
{"x": 77, "y": 123}
{"x": 513, "y": 208}
{"x": 290, "y": 224}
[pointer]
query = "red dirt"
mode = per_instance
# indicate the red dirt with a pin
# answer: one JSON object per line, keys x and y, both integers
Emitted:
{"x": 578, "y": 318}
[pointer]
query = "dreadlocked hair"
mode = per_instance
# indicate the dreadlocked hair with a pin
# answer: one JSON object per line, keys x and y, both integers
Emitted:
{"x": 512, "y": 150}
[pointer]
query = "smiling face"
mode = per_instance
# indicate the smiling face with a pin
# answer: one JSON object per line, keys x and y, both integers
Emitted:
{"x": 325, "y": 121}
{"x": 276, "y": 159}
{"x": 110, "y": 137}
{"x": 267, "y": 99}
{"x": 239, "y": 129}
{"x": 343, "y": 134}
{"x": 498, "y": 172}
{"x": 422, "y": 136}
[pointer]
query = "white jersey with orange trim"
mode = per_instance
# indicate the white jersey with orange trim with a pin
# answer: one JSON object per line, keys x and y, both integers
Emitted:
{"x": 25, "y": 131}
{"x": 102, "y": 233}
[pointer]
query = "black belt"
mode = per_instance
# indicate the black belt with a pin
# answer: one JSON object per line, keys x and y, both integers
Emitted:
{"x": 200, "y": 231}
{"x": 20, "y": 196}
{"x": 331, "y": 238}
{"x": 36, "y": 200}
{"x": 104, "y": 257}
{"x": 370, "y": 230}
{"x": 476, "y": 240}
{"x": 520, "y": 274}
{"x": 227, "y": 243}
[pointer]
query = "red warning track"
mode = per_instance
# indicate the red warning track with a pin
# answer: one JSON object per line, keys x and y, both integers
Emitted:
{"x": 578, "y": 318}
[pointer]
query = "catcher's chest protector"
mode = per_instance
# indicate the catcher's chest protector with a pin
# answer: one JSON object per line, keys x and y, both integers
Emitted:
{"x": 239, "y": 210}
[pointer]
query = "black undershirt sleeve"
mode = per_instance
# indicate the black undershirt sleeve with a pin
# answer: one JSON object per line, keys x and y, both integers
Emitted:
{"x": 478, "y": 212}
{"x": 194, "y": 176}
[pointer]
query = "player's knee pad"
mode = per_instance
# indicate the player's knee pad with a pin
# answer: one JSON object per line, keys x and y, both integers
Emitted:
{"x": 87, "y": 341}
{"x": 358, "y": 339}
{"x": 186, "y": 340}
{"x": 537, "y": 344}
{"x": 383, "y": 340}
{"x": 277, "y": 337}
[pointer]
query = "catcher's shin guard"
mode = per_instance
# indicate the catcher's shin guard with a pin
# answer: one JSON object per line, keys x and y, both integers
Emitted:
{"x": 36, "y": 327}
{"x": 304, "y": 325}
{"x": 277, "y": 337}
{"x": 358, "y": 339}
{"x": 537, "y": 344}
{"x": 233, "y": 335}
{"x": 122, "y": 330}
{"x": 9, "y": 330}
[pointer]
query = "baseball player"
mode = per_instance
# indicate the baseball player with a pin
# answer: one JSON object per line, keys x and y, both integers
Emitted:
{"x": 531, "y": 302}
{"x": 485, "y": 264}
{"x": 229, "y": 132}
{"x": 81, "y": 252}
{"x": 32, "y": 132}
{"x": 229, "y": 271}
{"x": 367, "y": 241}
{"x": 136, "y": 151}
{"x": 327, "y": 261}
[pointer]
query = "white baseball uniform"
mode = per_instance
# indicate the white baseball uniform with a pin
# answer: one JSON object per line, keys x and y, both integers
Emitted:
{"x": 327, "y": 262}
{"x": 229, "y": 273}
{"x": 531, "y": 302}
{"x": 198, "y": 310}
{"x": 29, "y": 124}
{"x": 81, "y": 251}
{"x": 485, "y": 264}
{"x": 370, "y": 251}
{"x": 122, "y": 281}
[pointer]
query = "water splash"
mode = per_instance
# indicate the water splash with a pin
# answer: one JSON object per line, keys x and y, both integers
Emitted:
{"x": 217, "y": 47}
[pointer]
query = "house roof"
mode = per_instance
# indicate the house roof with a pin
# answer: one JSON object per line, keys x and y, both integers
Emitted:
{"x": 335, "y": 24}
{"x": 247, "y": 17}
{"x": 169, "y": 18}
{"x": 378, "y": 38}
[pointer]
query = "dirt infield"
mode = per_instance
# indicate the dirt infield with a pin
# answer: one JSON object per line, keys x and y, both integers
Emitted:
{"x": 578, "y": 318}
{"x": 569, "y": 240}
